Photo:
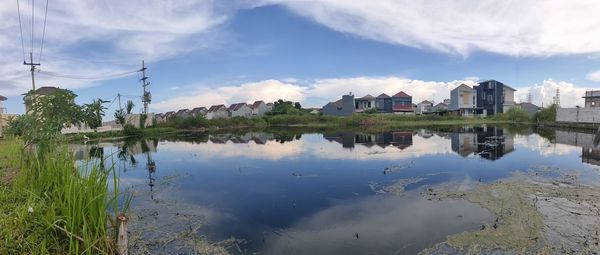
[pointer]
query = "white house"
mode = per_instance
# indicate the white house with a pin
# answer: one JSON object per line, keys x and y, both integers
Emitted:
{"x": 463, "y": 100}
{"x": 259, "y": 108}
{"x": 239, "y": 109}
{"x": 364, "y": 103}
{"x": 217, "y": 112}
{"x": 424, "y": 107}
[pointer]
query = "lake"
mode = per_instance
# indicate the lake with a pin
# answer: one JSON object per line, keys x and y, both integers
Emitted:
{"x": 324, "y": 192}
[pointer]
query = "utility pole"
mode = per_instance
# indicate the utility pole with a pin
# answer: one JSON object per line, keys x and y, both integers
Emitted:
{"x": 32, "y": 69}
{"x": 119, "y": 95}
{"x": 147, "y": 97}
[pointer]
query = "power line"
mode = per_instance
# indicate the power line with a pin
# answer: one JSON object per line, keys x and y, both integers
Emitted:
{"x": 43, "y": 33}
{"x": 84, "y": 77}
{"x": 21, "y": 29}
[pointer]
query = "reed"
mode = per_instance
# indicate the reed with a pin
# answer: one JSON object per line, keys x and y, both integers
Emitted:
{"x": 62, "y": 207}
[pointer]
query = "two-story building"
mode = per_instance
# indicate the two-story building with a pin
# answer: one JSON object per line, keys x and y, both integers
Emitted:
{"x": 463, "y": 101}
{"x": 493, "y": 97}
{"x": 402, "y": 103}
{"x": 592, "y": 99}
{"x": 362, "y": 104}
{"x": 424, "y": 107}
{"x": 383, "y": 103}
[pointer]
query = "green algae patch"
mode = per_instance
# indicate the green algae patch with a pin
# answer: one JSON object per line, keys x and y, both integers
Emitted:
{"x": 518, "y": 225}
{"x": 533, "y": 216}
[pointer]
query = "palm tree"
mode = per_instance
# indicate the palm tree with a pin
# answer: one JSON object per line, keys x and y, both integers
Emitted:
{"x": 129, "y": 106}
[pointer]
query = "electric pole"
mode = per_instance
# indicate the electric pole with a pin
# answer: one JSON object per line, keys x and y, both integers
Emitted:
{"x": 119, "y": 95}
{"x": 147, "y": 97}
{"x": 32, "y": 69}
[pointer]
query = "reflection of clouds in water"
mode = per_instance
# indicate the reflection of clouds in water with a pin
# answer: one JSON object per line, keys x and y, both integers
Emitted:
{"x": 272, "y": 150}
{"x": 323, "y": 149}
{"x": 537, "y": 143}
{"x": 385, "y": 225}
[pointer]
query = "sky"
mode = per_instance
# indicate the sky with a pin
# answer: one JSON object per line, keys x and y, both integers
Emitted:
{"x": 205, "y": 52}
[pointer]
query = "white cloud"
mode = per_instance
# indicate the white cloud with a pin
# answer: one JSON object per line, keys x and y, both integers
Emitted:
{"x": 80, "y": 31}
{"x": 267, "y": 90}
{"x": 517, "y": 28}
{"x": 543, "y": 94}
{"x": 594, "y": 76}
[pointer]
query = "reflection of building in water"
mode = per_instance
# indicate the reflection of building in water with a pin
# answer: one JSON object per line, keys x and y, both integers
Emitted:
{"x": 258, "y": 138}
{"x": 487, "y": 142}
{"x": 345, "y": 138}
{"x": 401, "y": 139}
{"x": 463, "y": 143}
{"x": 589, "y": 143}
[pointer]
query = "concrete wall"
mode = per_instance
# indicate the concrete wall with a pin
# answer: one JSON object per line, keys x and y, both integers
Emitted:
{"x": 346, "y": 108}
{"x": 578, "y": 115}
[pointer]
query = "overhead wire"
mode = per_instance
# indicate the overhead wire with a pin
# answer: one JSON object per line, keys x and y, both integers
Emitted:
{"x": 43, "y": 33}
{"x": 21, "y": 30}
{"x": 83, "y": 77}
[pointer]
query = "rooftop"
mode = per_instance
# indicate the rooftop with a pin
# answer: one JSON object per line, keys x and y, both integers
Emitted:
{"x": 235, "y": 107}
{"x": 367, "y": 97}
{"x": 257, "y": 103}
{"x": 401, "y": 94}
{"x": 383, "y": 95}
{"x": 215, "y": 108}
{"x": 3, "y": 98}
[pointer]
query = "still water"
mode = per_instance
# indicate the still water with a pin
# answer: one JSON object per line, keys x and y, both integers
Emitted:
{"x": 287, "y": 192}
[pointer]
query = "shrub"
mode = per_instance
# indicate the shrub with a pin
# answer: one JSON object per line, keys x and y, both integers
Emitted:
{"x": 547, "y": 114}
{"x": 514, "y": 114}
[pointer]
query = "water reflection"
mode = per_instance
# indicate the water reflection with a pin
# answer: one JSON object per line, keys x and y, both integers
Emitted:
{"x": 589, "y": 143}
{"x": 288, "y": 192}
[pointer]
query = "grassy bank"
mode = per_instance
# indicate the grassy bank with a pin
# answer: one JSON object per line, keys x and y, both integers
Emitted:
{"x": 50, "y": 206}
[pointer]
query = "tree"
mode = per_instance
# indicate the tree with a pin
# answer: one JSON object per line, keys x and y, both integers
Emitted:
{"x": 47, "y": 116}
{"x": 285, "y": 107}
{"x": 93, "y": 113}
{"x": 129, "y": 106}
{"x": 120, "y": 116}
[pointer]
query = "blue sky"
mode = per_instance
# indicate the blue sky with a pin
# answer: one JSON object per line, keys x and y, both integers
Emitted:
{"x": 201, "y": 53}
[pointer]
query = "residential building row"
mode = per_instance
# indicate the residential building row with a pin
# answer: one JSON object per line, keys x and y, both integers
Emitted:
{"x": 487, "y": 98}
{"x": 220, "y": 111}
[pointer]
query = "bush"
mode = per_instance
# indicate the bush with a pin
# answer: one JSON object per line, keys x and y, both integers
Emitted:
{"x": 547, "y": 114}
{"x": 514, "y": 114}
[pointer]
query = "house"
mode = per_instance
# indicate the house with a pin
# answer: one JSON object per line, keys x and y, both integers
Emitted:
{"x": 493, "y": 97}
{"x": 169, "y": 115}
{"x": 592, "y": 99}
{"x": 424, "y": 107}
{"x": 383, "y": 103}
{"x": 463, "y": 101}
{"x": 217, "y": 112}
{"x": 270, "y": 106}
{"x": 530, "y": 108}
{"x": 259, "y": 108}
{"x": 364, "y": 103}
{"x": 402, "y": 103}
{"x": 184, "y": 113}
{"x": 159, "y": 117}
{"x": 239, "y": 110}
{"x": 440, "y": 107}
{"x": 199, "y": 111}
{"x": 342, "y": 107}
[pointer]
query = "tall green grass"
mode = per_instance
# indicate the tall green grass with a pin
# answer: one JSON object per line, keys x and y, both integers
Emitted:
{"x": 63, "y": 208}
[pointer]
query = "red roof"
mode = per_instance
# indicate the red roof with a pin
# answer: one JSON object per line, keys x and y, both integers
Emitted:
{"x": 401, "y": 94}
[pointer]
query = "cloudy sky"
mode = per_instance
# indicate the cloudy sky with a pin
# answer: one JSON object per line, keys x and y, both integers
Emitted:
{"x": 203, "y": 52}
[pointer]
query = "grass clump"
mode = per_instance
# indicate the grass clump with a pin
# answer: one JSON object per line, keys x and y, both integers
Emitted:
{"x": 51, "y": 206}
